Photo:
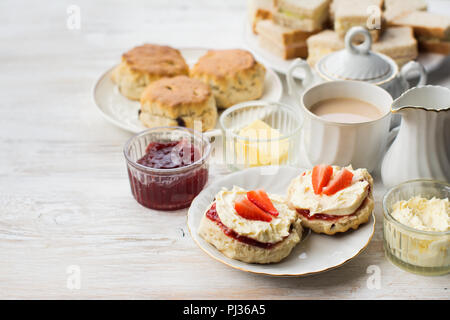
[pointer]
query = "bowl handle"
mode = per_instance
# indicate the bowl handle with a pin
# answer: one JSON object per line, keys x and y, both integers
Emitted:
{"x": 415, "y": 67}
{"x": 306, "y": 78}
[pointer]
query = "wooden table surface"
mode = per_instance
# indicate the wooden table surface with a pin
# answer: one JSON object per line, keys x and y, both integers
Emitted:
{"x": 69, "y": 227}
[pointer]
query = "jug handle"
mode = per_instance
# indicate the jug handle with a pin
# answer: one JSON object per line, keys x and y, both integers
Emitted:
{"x": 415, "y": 67}
{"x": 307, "y": 78}
{"x": 391, "y": 137}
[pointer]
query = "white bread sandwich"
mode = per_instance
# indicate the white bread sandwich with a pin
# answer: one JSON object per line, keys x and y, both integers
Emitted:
{"x": 259, "y": 10}
{"x": 336, "y": 3}
{"x": 305, "y": 15}
{"x": 408, "y": 4}
{"x": 351, "y": 13}
{"x": 284, "y": 42}
{"x": 431, "y": 30}
{"x": 321, "y": 44}
{"x": 396, "y": 42}
{"x": 394, "y": 8}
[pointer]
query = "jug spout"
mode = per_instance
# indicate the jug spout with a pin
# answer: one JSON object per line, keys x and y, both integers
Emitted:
{"x": 429, "y": 98}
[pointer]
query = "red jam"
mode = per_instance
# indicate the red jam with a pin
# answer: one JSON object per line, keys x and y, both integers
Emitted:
{"x": 319, "y": 216}
{"x": 169, "y": 155}
{"x": 213, "y": 216}
{"x": 168, "y": 191}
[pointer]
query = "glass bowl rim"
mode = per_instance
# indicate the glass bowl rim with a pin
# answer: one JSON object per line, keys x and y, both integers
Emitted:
{"x": 243, "y": 105}
{"x": 388, "y": 215}
{"x": 192, "y": 133}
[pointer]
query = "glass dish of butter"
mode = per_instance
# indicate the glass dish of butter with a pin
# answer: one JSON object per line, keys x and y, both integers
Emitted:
{"x": 416, "y": 226}
{"x": 259, "y": 133}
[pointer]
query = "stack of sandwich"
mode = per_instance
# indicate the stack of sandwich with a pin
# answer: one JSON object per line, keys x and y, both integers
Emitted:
{"x": 289, "y": 24}
{"x": 313, "y": 28}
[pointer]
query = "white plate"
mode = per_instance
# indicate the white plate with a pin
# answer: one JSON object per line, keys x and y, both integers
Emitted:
{"x": 430, "y": 61}
{"x": 123, "y": 112}
{"x": 317, "y": 253}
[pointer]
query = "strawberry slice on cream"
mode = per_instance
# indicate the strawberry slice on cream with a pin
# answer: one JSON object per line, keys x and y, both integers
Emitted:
{"x": 341, "y": 181}
{"x": 262, "y": 200}
{"x": 248, "y": 210}
{"x": 321, "y": 175}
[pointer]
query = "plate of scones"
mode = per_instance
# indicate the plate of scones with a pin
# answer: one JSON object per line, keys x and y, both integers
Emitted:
{"x": 285, "y": 221}
{"x": 157, "y": 85}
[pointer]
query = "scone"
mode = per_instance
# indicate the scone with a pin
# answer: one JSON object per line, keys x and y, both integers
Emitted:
{"x": 178, "y": 101}
{"x": 233, "y": 226}
{"x": 234, "y": 76}
{"x": 330, "y": 199}
{"x": 144, "y": 64}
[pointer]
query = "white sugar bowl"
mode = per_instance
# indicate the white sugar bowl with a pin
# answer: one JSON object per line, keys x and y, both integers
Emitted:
{"x": 356, "y": 62}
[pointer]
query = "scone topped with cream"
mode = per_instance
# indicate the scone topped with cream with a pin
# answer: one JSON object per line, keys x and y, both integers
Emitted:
{"x": 251, "y": 226}
{"x": 144, "y": 64}
{"x": 331, "y": 199}
{"x": 234, "y": 75}
{"x": 178, "y": 101}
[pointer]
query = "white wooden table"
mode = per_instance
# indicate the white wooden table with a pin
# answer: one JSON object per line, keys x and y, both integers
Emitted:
{"x": 65, "y": 204}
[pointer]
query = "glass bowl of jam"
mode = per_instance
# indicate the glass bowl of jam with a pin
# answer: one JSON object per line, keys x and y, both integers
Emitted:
{"x": 167, "y": 166}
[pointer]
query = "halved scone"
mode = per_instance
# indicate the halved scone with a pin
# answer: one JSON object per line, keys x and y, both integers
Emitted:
{"x": 337, "y": 212}
{"x": 249, "y": 240}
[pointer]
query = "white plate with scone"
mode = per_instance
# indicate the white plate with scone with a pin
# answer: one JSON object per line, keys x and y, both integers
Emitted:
{"x": 123, "y": 108}
{"x": 294, "y": 250}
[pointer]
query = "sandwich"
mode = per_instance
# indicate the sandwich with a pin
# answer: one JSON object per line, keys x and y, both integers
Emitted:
{"x": 351, "y": 13}
{"x": 284, "y": 42}
{"x": 259, "y": 10}
{"x": 408, "y": 4}
{"x": 431, "y": 30}
{"x": 336, "y": 3}
{"x": 321, "y": 44}
{"x": 305, "y": 15}
{"x": 394, "y": 8}
{"x": 396, "y": 42}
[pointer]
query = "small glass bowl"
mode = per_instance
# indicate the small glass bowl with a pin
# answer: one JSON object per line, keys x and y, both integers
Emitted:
{"x": 166, "y": 189}
{"x": 416, "y": 251}
{"x": 243, "y": 152}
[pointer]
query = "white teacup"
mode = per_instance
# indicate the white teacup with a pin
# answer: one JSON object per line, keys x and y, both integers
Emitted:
{"x": 359, "y": 144}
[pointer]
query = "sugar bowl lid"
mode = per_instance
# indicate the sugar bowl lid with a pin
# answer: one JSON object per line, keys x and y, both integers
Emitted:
{"x": 357, "y": 62}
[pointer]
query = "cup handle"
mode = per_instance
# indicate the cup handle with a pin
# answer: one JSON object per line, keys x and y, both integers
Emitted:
{"x": 414, "y": 67}
{"x": 307, "y": 78}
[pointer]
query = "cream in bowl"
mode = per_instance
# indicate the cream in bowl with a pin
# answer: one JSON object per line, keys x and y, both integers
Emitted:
{"x": 416, "y": 226}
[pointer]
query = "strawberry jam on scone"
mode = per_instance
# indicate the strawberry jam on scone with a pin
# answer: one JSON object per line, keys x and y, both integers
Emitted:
{"x": 330, "y": 199}
{"x": 251, "y": 226}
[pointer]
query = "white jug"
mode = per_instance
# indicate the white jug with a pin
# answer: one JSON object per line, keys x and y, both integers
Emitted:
{"x": 422, "y": 146}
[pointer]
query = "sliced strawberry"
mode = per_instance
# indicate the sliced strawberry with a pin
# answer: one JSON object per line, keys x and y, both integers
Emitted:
{"x": 341, "y": 181}
{"x": 246, "y": 209}
{"x": 261, "y": 199}
{"x": 321, "y": 175}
